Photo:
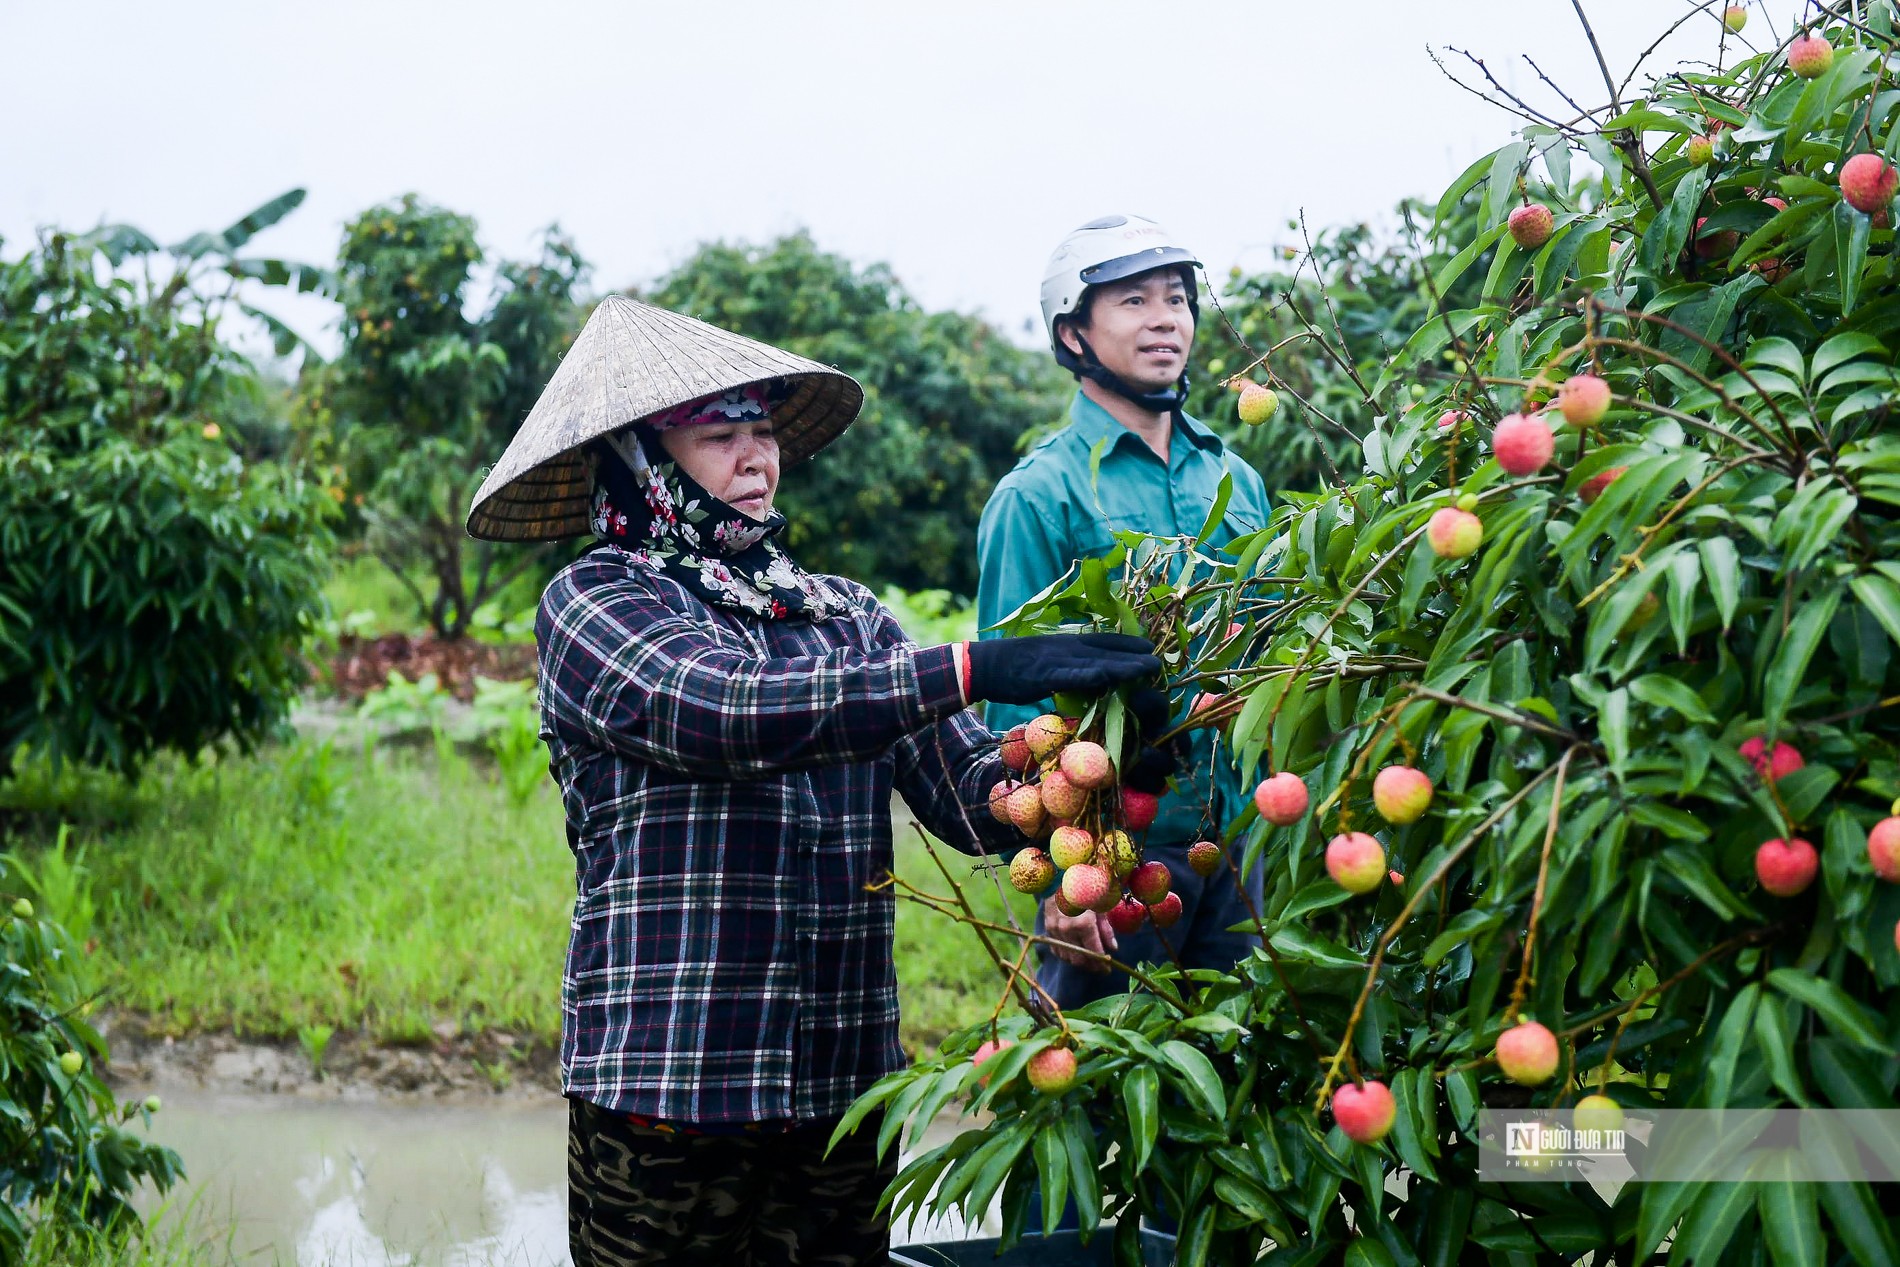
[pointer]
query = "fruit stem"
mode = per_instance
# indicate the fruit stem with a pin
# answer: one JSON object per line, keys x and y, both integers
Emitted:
{"x": 1523, "y": 983}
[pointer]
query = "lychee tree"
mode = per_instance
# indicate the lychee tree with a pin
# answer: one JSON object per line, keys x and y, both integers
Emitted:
{"x": 1588, "y": 686}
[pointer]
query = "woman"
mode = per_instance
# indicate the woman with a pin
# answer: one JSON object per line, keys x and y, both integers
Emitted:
{"x": 727, "y": 730}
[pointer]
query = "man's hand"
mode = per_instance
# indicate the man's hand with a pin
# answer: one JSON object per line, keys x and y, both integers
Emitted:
{"x": 1088, "y": 930}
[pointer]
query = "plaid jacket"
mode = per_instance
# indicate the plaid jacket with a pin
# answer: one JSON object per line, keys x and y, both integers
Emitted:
{"x": 727, "y": 784}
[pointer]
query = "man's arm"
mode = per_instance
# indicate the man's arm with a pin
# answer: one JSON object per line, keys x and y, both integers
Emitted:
{"x": 1019, "y": 554}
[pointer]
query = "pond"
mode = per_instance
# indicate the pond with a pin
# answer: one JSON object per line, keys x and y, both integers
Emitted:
{"x": 386, "y": 1183}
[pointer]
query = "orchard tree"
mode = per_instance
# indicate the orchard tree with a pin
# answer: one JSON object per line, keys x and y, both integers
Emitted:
{"x": 1573, "y": 712}
{"x": 947, "y": 399}
{"x": 424, "y": 396}
{"x": 155, "y": 587}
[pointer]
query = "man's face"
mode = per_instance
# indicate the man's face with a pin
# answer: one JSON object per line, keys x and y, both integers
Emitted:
{"x": 737, "y": 462}
{"x": 1141, "y": 328}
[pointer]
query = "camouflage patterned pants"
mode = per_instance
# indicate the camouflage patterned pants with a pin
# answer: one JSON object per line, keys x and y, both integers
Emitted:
{"x": 636, "y": 1196}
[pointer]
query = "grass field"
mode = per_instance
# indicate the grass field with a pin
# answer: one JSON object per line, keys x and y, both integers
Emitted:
{"x": 382, "y": 889}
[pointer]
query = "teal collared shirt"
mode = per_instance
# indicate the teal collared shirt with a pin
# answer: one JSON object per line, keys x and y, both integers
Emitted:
{"x": 1044, "y": 515}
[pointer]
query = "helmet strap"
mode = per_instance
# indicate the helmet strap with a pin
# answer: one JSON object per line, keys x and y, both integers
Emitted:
{"x": 1089, "y": 366}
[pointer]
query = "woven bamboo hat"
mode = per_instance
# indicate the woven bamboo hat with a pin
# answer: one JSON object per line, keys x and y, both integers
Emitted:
{"x": 631, "y": 361}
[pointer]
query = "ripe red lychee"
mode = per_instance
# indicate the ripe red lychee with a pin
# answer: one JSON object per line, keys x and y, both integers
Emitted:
{"x": 1166, "y": 912}
{"x": 1531, "y": 225}
{"x": 1149, "y": 882}
{"x": 1883, "y": 848}
{"x": 1070, "y": 845}
{"x": 1208, "y": 702}
{"x": 1523, "y": 445}
{"x": 1067, "y": 907}
{"x": 1016, "y": 753}
{"x": 1087, "y": 766}
{"x": 1085, "y": 885}
{"x": 1452, "y": 418}
{"x": 1594, "y": 486}
{"x": 1810, "y": 56}
{"x": 1204, "y": 857}
{"x": 1773, "y": 766}
{"x": 1786, "y": 867}
{"x": 1045, "y": 735}
{"x": 1583, "y": 400}
{"x": 989, "y": 1048}
{"x": 1402, "y": 794}
{"x": 999, "y": 799}
{"x": 1366, "y": 1111}
{"x": 1282, "y": 799}
{"x": 1127, "y": 916}
{"x": 1025, "y": 809}
{"x": 1052, "y": 1070}
{"x": 1118, "y": 853}
{"x": 1139, "y": 809}
{"x": 1454, "y": 533}
{"x": 1714, "y": 246}
{"x": 1700, "y": 151}
{"x": 1257, "y": 404}
{"x": 1355, "y": 861}
{"x": 1396, "y": 877}
{"x": 1062, "y": 798}
{"x": 1868, "y": 182}
{"x": 1030, "y": 871}
{"x": 1527, "y": 1053}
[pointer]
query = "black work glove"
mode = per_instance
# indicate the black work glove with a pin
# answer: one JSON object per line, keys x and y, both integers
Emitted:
{"x": 1029, "y": 670}
{"x": 1152, "y": 767}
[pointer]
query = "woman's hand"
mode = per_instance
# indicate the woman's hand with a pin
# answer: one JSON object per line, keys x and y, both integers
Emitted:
{"x": 1028, "y": 670}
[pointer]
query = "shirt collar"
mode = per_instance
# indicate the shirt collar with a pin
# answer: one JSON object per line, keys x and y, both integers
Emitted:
{"x": 1093, "y": 424}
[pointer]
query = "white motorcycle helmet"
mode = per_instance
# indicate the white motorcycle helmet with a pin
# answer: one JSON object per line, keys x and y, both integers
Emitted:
{"x": 1108, "y": 250}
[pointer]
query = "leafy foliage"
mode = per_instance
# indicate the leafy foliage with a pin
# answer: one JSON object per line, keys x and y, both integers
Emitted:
{"x": 423, "y": 397}
{"x": 895, "y": 500}
{"x": 154, "y": 587}
{"x": 1578, "y": 691}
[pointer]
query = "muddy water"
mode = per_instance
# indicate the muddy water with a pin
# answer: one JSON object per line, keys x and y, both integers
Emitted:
{"x": 385, "y": 1184}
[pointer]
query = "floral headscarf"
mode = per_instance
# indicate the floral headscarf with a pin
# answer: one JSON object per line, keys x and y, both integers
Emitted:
{"x": 665, "y": 520}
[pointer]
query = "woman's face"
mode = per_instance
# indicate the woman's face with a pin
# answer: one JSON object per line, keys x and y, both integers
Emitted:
{"x": 737, "y": 462}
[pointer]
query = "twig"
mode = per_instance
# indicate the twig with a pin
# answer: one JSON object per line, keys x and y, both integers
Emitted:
{"x": 1523, "y": 982}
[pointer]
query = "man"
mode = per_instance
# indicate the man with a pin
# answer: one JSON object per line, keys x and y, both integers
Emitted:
{"x": 1120, "y": 305}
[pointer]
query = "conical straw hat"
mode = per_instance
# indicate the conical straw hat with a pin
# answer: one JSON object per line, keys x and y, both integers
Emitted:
{"x": 633, "y": 360}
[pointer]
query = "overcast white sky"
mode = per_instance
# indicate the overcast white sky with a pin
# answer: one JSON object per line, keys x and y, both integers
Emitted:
{"x": 957, "y": 142}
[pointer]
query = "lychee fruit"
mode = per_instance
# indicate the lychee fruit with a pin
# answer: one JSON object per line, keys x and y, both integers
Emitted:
{"x": 1208, "y": 702}
{"x": 1452, "y": 418}
{"x": 1025, "y": 808}
{"x": 1810, "y": 56}
{"x": 1070, "y": 845}
{"x": 1355, "y": 861}
{"x": 1067, "y": 907}
{"x": 1118, "y": 854}
{"x": 1396, "y": 877}
{"x": 1786, "y": 867}
{"x": 1087, "y": 766}
{"x": 1402, "y": 794}
{"x": 1030, "y": 871}
{"x": 999, "y": 799}
{"x": 1282, "y": 800}
{"x": 1257, "y": 404}
{"x": 1085, "y": 885}
{"x": 1166, "y": 912}
{"x": 1773, "y": 766}
{"x": 1700, "y": 151}
{"x": 1523, "y": 445}
{"x": 1527, "y": 1053}
{"x": 1594, "y": 486}
{"x": 1204, "y": 856}
{"x": 22, "y": 908}
{"x": 1052, "y": 1070}
{"x": 1584, "y": 399}
{"x": 1735, "y": 17}
{"x": 1868, "y": 182}
{"x": 1714, "y": 246}
{"x": 989, "y": 1048}
{"x": 1127, "y": 916}
{"x": 72, "y": 1062}
{"x": 1883, "y": 848}
{"x": 1045, "y": 735}
{"x": 1016, "y": 753}
{"x": 1365, "y": 1111}
{"x": 1531, "y": 225}
{"x": 1061, "y": 797}
{"x": 1453, "y": 533}
{"x": 1139, "y": 809}
{"x": 1149, "y": 882}
{"x": 1597, "y": 1113}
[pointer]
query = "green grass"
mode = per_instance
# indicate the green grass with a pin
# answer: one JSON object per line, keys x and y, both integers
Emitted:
{"x": 380, "y": 891}
{"x": 367, "y": 599}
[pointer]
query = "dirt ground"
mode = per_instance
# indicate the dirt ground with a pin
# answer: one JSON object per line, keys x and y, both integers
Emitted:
{"x": 452, "y": 1067}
